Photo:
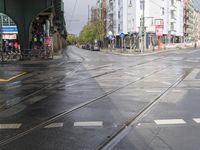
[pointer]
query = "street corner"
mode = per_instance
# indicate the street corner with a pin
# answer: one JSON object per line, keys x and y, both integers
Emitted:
{"x": 8, "y": 76}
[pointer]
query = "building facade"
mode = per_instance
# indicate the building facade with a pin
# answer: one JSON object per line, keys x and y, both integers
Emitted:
{"x": 102, "y": 11}
{"x": 196, "y": 30}
{"x": 126, "y": 16}
{"x": 94, "y": 14}
{"x": 188, "y": 20}
{"x": 15, "y": 9}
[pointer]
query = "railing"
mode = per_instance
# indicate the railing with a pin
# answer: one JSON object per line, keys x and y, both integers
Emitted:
{"x": 28, "y": 54}
{"x": 9, "y": 56}
{"x": 25, "y": 54}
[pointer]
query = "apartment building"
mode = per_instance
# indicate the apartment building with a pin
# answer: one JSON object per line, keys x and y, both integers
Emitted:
{"x": 173, "y": 21}
{"x": 124, "y": 16}
{"x": 102, "y": 15}
{"x": 196, "y": 30}
{"x": 189, "y": 20}
{"x": 102, "y": 6}
{"x": 94, "y": 14}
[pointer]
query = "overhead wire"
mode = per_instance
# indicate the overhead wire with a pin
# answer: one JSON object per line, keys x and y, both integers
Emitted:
{"x": 72, "y": 15}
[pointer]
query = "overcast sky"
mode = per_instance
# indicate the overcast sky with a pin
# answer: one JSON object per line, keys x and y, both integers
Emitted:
{"x": 78, "y": 18}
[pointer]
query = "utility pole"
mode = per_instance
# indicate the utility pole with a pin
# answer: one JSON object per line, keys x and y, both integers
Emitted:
{"x": 143, "y": 28}
{"x": 88, "y": 13}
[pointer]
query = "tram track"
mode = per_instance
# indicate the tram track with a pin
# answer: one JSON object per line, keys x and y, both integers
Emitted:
{"x": 117, "y": 136}
{"x": 75, "y": 108}
{"x": 79, "y": 106}
{"x": 76, "y": 69}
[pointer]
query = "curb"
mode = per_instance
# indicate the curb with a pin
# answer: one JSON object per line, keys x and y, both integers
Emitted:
{"x": 146, "y": 54}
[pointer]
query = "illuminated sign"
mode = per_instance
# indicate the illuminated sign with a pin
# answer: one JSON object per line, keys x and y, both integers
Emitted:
{"x": 9, "y": 29}
{"x": 9, "y": 36}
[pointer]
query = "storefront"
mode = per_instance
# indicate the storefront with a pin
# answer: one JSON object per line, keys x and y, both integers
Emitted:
{"x": 8, "y": 30}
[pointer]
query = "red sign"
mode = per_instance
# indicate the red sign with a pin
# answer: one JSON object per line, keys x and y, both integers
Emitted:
{"x": 159, "y": 30}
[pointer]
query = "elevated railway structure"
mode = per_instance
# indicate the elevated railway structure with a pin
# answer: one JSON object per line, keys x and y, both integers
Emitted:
{"x": 26, "y": 13}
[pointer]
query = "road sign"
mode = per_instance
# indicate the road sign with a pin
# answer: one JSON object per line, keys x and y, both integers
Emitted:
{"x": 122, "y": 35}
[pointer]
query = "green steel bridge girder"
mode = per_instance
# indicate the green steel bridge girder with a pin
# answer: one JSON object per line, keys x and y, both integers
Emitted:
{"x": 23, "y": 12}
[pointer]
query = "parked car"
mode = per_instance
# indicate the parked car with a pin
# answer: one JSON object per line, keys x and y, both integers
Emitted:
{"x": 96, "y": 47}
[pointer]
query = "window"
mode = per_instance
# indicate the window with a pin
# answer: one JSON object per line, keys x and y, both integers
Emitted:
{"x": 119, "y": 14}
{"x": 5, "y": 21}
{"x": 172, "y": 15}
{"x": 172, "y": 26}
{"x": 1, "y": 21}
{"x": 172, "y": 2}
{"x": 141, "y": 4}
{"x": 12, "y": 23}
{"x": 130, "y": 3}
{"x": 163, "y": 11}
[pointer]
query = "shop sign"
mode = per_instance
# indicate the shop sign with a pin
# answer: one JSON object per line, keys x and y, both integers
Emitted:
{"x": 9, "y": 30}
{"x": 9, "y": 36}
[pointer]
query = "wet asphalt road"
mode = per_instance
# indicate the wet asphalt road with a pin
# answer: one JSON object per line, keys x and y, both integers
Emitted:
{"x": 92, "y": 100}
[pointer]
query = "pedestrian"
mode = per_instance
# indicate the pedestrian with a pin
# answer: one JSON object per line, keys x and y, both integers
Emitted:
{"x": 16, "y": 45}
{"x": 195, "y": 44}
{"x": 153, "y": 44}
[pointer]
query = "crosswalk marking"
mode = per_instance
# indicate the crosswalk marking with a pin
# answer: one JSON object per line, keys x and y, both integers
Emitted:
{"x": 169, "y": 121}
{"x": 88, "y": 124}
{"x": 197, "y": 120}
{"x": 10, "y": 126}
{"x": 54, "y": 125}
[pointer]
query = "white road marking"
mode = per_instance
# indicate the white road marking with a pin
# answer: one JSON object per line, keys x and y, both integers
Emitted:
{"x": 177, "y": 91}
{"x": 88, "y": 124}
{"x": 193, "y": 75}
{"x": 197, "y": 120}
{"x": 153, "y": 91}
{"x": 129, "y": 73}
{"x": 54, "y": 125}
{"x": 169, "y": 121}
{"x": 10, "y": 126}
{"x": 168, "y": 83}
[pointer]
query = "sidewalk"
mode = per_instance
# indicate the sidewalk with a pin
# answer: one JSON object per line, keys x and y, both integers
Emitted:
{"x": 135, "y": 52}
